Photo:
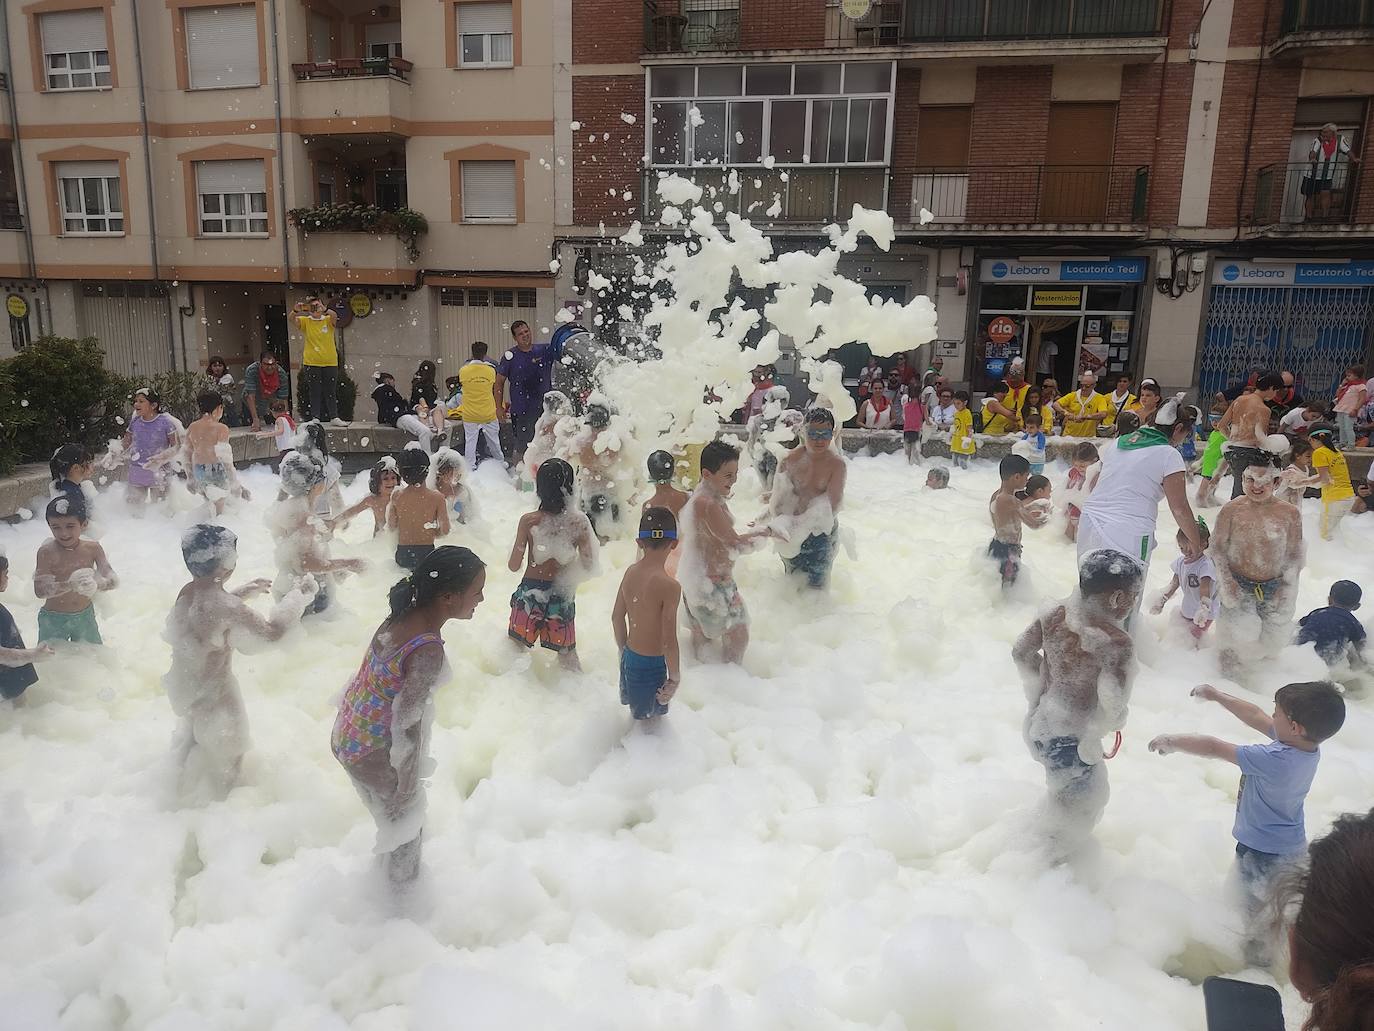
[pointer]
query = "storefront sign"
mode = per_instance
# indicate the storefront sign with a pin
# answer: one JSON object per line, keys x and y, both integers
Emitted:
{"x": 1121, "y": 330}
{"x": 1294, "y": 273}
{"x": 1001, "y": 329}
{"x": 16, "y": 306}
{"x": 361, "y": 305}
{"x": 1057, "y": 299}
{"x": 1014, "y": 270}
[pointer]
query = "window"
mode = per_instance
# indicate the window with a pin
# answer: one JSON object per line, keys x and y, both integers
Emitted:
{"x": 479, "y": 298}
{"x": 524, "y": 298}
{"x": 10, "y": 217}
{"x": 321, "y": 32}
{"x": 232, "y": 197}
{"x": 391, "y": 188}
{"x": 485, "y": 38}
{"x": 451, "y": 297}
{"x": 384, "y": 39}
{"x": 75, "y": 54}
{"x": 222, "y": 47}
{"x": 503, "y": 298}
{"x": 795, "y": 114}
{"x": 91, "y": 201}
{"x": 324, "y": 185}
{"x": 488, "y": 192}
{"x": 711, "y": 24}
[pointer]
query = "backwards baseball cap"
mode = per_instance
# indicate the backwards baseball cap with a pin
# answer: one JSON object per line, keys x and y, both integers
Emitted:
{"x": 1346, "y": 594}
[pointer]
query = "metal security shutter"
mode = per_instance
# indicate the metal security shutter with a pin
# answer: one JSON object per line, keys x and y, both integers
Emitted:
{"x": 490, "y": 18}
{"x": 248, "y": 176}
{"x": 130, "y": 320}
{"x": 88, "y": 170}
{"x": 73, "y": 32}
{"x": 460, "y": 326}
{"x": 222, "y": 46}
{"x": 488, "y": 191}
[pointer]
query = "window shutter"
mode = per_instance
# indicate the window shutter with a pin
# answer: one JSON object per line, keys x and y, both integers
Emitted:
{"x": 88, "y": 170}
{"x": 488, "y": 190}
{"x": 248, "y": 176}
{"x": 319, "y": 37}
{"x": 67, "y": 32}
{"x": 494, "y": 18}
{"x": 222, "y": 46}
{"x": 383, "y": 32}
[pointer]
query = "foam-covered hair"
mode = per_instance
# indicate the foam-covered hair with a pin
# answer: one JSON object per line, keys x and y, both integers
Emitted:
{"x": 300, "y": 472}
{"x": 207, "y": 549}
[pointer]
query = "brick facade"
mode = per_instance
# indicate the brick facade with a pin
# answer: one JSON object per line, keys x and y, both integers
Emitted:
{"x": 781, "y": 24}
{"x": 604, "y": 169}
{"x": 906, "y": 114}
{"x": 1272, "y": 90}
{"x": 607, "y": 31}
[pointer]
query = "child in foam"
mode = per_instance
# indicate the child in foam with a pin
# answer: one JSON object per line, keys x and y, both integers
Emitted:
{"x": 450, "y": 478}
{"x": 418, "y": 513}
{"x": 71, "y": 471}
{"x": 1338, "y": 635}
{"x": 70, "y": 571}
{"x": 1077, "y": 662}
{"x": 1333, "y": 475}
{"x": 1258, "y": 551}
{"x": 809, "y": 494}
{"x": 645, "y": 621}
{"x": 153, "y": 439}
{"x": 1196, "y": 574}
{"x": 1008, "y": 513}
{"x": 382, "y": 481}
{"x": 1276, "y": 776}
{"x": 381, "y": 732}
{"x": 557, "y": 546}
{"x": 206, "y": 624}
{"x": 301, "y": 536}
{"x": 17, "y": 674}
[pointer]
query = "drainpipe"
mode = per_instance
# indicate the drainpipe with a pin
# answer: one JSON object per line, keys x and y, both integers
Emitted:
{"x": 281, "y": 150}
{"x": 19, "y": 166}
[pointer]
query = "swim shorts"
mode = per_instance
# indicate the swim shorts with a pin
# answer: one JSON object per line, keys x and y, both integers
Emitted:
{"x": 1059, "y": 753}
{"x": 1261, "y": 592}
{"x": 540, "y": 615}
{"x": 1008, "y": 557}
{"x": 69, "y": 626}
{"x": 641, "y": 677}
{"x": 408, "y": 556}
{"x": 720, "y": 611}
{"x": 911, "y": 436}
{"x": 212, "y": 475}
{"x": 815, "y": 558}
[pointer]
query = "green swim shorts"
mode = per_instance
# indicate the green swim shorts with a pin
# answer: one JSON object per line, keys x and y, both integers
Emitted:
{"x": 68, "y": 626}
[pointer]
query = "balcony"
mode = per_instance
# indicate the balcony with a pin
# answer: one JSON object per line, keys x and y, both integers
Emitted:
{"x": 353, "y": 68}
{"x": 690, "y": 26}
{"x": 1289, "y": 201}
{"x": 806, "y": 196}
{"x": 1100, "y": 199}
{"x": 353, "y": 97}
{"x": 996, "y": 27}
{"x": 373, "y": 257}
{"x": 1320, "y": 26}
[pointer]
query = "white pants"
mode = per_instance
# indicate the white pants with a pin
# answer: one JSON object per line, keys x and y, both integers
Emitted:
{"x": 491, "y": 430}
{"x": 416, "y": 428}
{"x": 1092, "y": 536}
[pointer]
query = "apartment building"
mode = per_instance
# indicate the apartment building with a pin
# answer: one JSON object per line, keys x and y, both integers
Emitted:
{"x": 155, "y": 156}
{"x": 1110, "y": 185}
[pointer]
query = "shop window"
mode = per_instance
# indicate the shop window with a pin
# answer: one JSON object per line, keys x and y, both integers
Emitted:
{"x": 525, "y": 298}
{"x": 1116, "y": 297}
{"x": 998, "y": 297}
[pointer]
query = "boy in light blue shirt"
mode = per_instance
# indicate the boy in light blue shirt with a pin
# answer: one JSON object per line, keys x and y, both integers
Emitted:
{"x": 1275, "y": 778}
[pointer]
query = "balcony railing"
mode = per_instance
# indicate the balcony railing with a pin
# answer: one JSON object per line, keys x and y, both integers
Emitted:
{"x": 1327, "y": 15}
{"x": 1301, "y": 195}
{"x": 1032, "y": 194}
{"x": 935, "y": 21}
{"x": 806, "y": 195}
{"x": 675, "y": 26}
{"x": 353, "y": 68}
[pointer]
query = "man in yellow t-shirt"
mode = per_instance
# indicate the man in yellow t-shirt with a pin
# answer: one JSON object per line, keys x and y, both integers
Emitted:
{"x": 320, "y": 359}
{"x": 478, "y": 410}
{"x": 1333, "y": 475}
{"x": 1006, "y": 410}
{"x": 1084, "y": 409}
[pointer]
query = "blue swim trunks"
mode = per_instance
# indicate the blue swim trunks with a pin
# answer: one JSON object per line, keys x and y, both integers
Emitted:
{"x": 814, "y": 559}
{"x": 213, "y": 475}
{"x": 641, "y": 676}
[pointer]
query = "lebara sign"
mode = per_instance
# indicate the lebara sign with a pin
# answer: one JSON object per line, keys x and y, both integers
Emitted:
{"x": 1295, "y": 273}
{"x": 1110, "y": 270}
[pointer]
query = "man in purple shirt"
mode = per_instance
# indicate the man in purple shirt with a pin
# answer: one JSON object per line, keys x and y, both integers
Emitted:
{"x": 529, "y": 370}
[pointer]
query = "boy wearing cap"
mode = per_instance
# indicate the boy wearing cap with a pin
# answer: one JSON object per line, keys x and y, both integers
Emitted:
{"x": 1333, "y": 476}
{"x": 1335, "y": 630}
{"x": 645, "y": 621}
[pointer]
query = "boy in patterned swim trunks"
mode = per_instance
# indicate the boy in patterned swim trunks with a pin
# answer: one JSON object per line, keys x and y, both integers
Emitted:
{"x": 707, "y": 571}
{"x": 810, "y": 490}
{"x": 555, "y": 542}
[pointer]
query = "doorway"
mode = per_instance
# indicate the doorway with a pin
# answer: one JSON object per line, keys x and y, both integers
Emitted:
{"x": 277, "y": 339}
{"x": 1309, "y": 117}
{"x": 1078, "y": 159}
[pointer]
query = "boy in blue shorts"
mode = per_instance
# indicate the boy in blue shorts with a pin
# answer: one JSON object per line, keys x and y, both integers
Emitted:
{"x": 645, "y": 621}
{"x": 1275, "y": 778}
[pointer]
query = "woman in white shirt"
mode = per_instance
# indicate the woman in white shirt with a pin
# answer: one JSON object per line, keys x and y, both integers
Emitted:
{"x": 1330, "y": 151}
{"x": 876, "y": 411}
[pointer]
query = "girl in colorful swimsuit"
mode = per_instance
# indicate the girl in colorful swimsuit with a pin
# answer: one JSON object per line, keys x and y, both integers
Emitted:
{"x": 558, "y": 547}
{"x": 381, "y": 733}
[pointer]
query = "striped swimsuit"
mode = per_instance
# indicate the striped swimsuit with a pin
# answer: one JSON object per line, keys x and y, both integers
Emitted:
{"x": 363, "y": 725}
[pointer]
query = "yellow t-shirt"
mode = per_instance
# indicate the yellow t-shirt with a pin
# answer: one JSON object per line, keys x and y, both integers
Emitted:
{"x": 1012, "y": 399}
{"x": 319, "y": 341}
{"x": 1046, "y": 420}
{"x": 961, "y": 434}
{"x": 1075, "y": 425}
{"x": 479, "y": 403}
{"x": 1339, "y": 488}
{"x": 1131, "y": 405}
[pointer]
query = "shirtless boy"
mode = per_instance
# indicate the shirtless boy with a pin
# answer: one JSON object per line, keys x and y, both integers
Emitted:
{"x": 598, "y": 454}
{"x": 301, "y": 536}
{"x": 1009, "y": 513}
{"x": 1077, "y": 663}
{"x": 1245, "y": 425}
{"x": 812, "y": 490}
{"x": 665, "y": 495}
{"x": 1257, "y": 549}
{"x": 645, "y": 622}
{"x": 203, "y": 440}
{"x": 68, "y": 574}
{"x": 204, "y": 627}
{"x": 714, "y": 606}
{"x": 418, "y": 513}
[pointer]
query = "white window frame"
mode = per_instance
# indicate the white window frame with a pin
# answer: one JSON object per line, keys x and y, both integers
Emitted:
{"x": 498, "y": 220}
{"x": 104, "y": 190}
{"x": 223, "y": 201}
{"x": 486, "y": 38}
{"x": 58, "y": 64}
{"x": 652, "y": 160}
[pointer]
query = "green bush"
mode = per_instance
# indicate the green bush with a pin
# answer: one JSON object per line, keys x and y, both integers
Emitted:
{"x": 57, "y": 391}
{"x": 346, "y": 392}
{"x": 179, "y": 390}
